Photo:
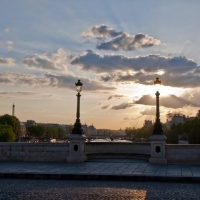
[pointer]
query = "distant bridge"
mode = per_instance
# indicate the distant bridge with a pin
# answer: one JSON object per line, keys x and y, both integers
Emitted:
{"x": 111, "y": 137}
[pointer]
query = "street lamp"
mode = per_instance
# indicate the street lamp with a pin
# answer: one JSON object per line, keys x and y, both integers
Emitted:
{"x": 77, "y": 126}
{"x": 157, "y": 126}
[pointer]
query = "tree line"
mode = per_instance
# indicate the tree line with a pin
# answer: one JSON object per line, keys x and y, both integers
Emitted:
{"x": 190, "y": 130}
{"x": 9, "y": 128}
{"x": 41, "y": 131}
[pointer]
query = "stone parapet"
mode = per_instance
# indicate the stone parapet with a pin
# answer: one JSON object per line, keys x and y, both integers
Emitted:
{"x": 44, "y": 152}
{"x": 183, "y": 153}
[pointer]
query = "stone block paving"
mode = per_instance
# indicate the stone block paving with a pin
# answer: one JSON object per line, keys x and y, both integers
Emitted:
{"x": 22, "y": 189}
{"x": 136, "y": 179}
{"x": 99, "y": 168}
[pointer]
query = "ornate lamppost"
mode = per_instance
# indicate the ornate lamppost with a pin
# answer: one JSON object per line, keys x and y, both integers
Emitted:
{"x": 77, "y": 139}
{"x": 157, "y": 126}
{"x": 77, "y": 126}
{"x": 157, "y": 138}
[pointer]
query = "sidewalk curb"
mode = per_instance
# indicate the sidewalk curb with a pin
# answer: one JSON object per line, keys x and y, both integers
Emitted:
{"x": 98, "y": 177}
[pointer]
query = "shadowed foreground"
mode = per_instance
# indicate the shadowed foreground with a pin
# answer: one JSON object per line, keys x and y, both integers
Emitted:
{"x": 71, "y": 189}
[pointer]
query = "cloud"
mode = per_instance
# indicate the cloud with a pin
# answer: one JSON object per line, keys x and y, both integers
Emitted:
{"x": 105, "y": 107}
{"x": 170, "y": 101}
{"x": 187, "y": 79}
{"x": 175, "y": 72}
{"x": 192, "y": 95}
{"x": 6, "y": 30}
{"x": 50, "y": 80}
{"x": 105, "y": 78}
{"x": 149, "y": 111}
{"x": 7, "y": 61}
{"x": 115, "y": 96}
{"x": 110, "y": 63}
{"x": 128, "y": 42}
{"x": 101, "y": 32}
{"x": 55, "y": 62}
{"x": 122, "y": 106}
{"x": 120, "y": 40}
{"x": 9, "y": 42}
{"x": 131, "y": 118}
{"x": 23, "y": 94}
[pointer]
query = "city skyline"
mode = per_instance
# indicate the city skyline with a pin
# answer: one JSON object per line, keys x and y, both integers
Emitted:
{"x": 117, "y": 49}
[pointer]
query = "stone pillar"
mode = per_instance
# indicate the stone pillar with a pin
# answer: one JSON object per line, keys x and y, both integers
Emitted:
{"x": 76, "y": 148}
{"x": 158, "y": 149}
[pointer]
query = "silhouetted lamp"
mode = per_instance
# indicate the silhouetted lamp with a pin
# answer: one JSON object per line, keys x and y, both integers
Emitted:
{"x": 157, "y": 83}
{"x": 157, "y": 126}
{"x": 79, "y": 86}
{"x": 77, "y": 126}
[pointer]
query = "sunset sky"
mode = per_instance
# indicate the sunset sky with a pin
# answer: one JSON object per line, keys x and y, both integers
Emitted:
{"x": 116, "y": 48}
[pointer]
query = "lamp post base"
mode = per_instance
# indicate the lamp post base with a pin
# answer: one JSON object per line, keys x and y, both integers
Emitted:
{"x": 158, "y": 149}
{"x": 76, "y": 148}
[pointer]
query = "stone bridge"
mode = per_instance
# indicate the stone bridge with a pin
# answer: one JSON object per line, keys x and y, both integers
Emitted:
{"x": 58, "y": 152}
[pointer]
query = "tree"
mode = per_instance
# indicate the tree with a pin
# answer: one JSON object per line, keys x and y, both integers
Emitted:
{"x": 61, "y": 132}
{"x": 173, "y": 134}
{"x": 71, "y": 126}
{"x": 6, "y": 133}
{"x": 129, "y": 131}
{"x": 37, "y": 131}
{"x": 13, "y": 122}
{"x": 194, "y": 131}
{"x": 144, "y": 132}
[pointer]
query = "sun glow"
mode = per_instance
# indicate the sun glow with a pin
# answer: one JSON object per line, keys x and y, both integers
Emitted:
{"x": 166, "y": 91}
{"x": 138, "y": 90}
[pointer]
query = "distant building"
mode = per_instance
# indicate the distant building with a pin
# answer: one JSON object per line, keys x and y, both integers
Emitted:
{"x": 30, "y": 123}
{"x": 118, "y": 132}
{"x": 23, "y": 129}
{"x": 84, "y": 127}
{"x": 103, "y": 132}
{"x": 53, "y": 125}
{"x": 91, "y": 130}
{"x": 175, "y": 119}
{"x": 198, "y": 114}
{"x": 148, "y": 123}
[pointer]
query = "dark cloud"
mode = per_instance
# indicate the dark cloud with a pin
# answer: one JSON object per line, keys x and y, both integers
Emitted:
{"x": 105, "y": 107}
{"x": 41, "y": 63}
{"x": 151, "y": 63}
{"x": 55, "y": 62}
{"x": 7, "y": 61}
{"x": 122, "y": 106}
{"x": 149, "y": 111}
{"x": 51, "y": 80}
{"x": 6, "y": 78}
{"x": 170, "y": 101}
{"x": 128, "y": 42}
{"x": 178, "y": 71}
{"x": 105, "y": 78}
{"x": 101, "y": 32}
{"x": 115, "y": 96}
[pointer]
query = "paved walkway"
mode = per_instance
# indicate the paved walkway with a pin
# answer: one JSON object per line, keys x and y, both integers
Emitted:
{"x": 101, "y": 169}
